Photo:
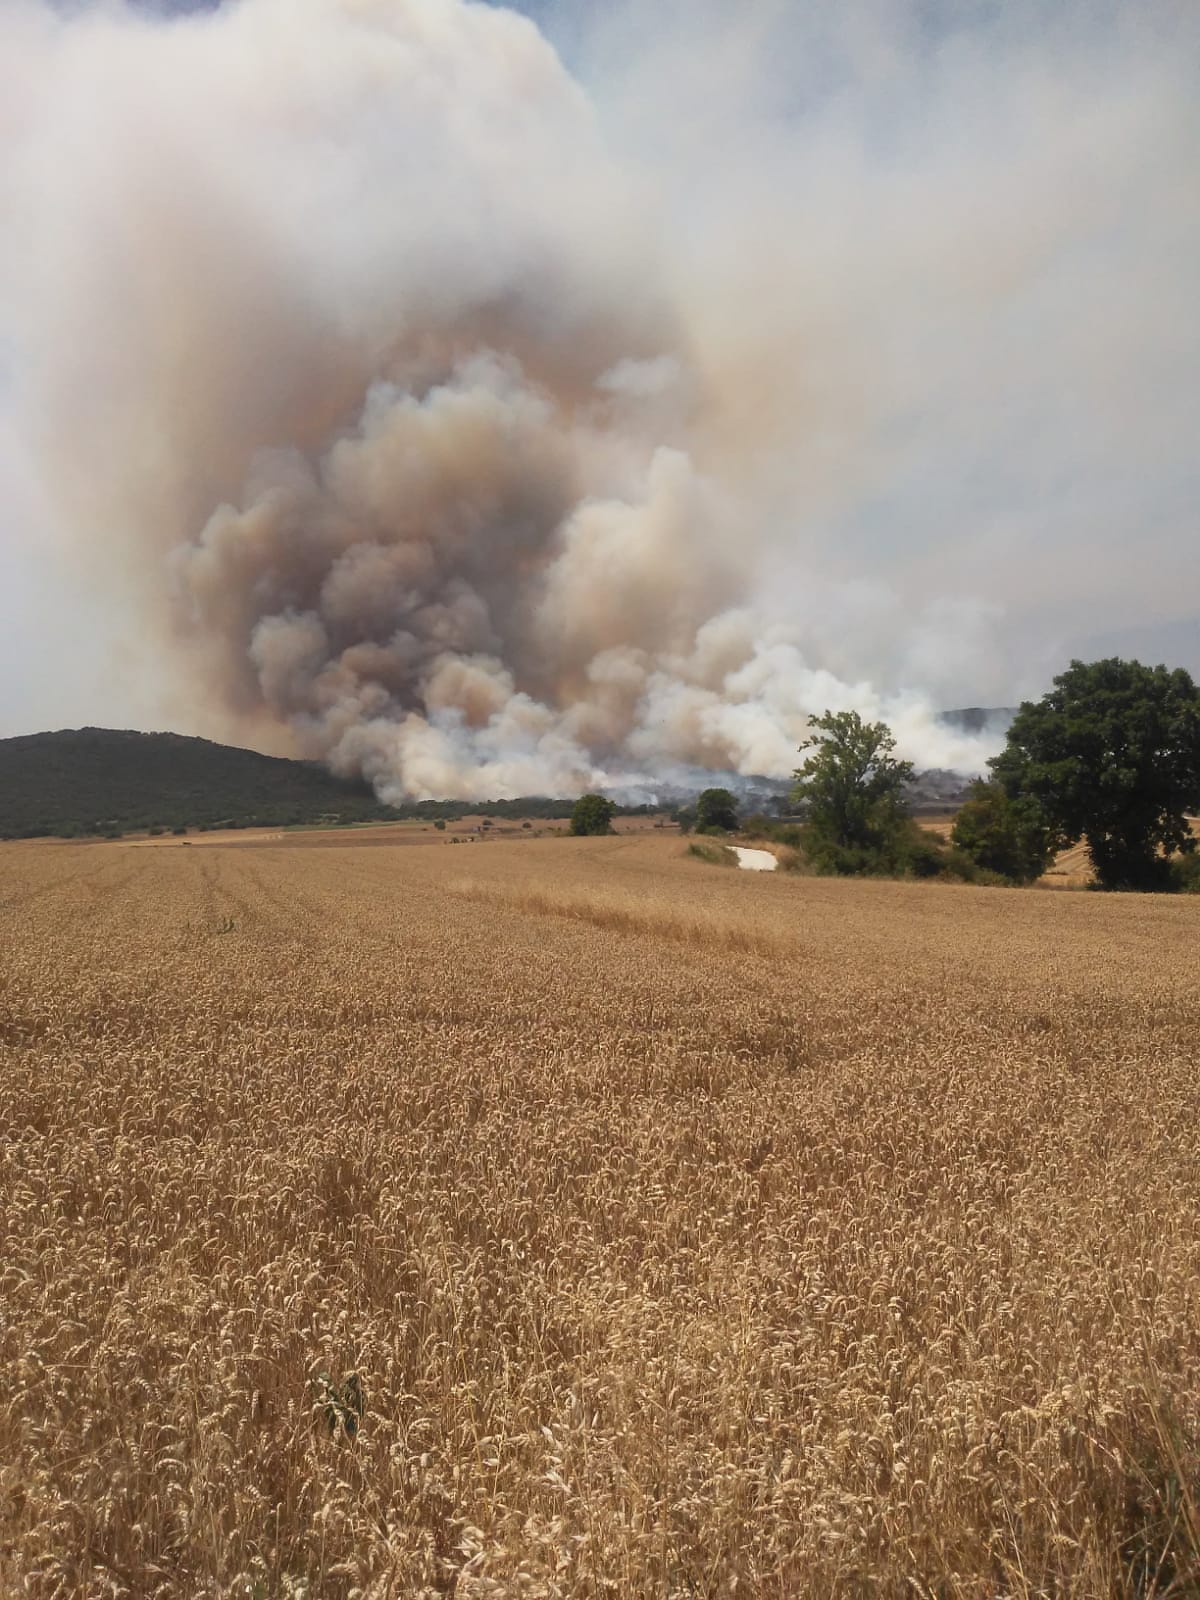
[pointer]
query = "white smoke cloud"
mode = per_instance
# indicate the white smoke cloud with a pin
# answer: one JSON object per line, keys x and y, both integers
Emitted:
{"x": 489, "y": 436}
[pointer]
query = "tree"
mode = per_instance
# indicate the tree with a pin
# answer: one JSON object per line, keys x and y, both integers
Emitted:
{"x": 716, "y": 809}
{"x": 592, "y": 813}
{"x": 1111, "y": 755}
{"x": 851, "y": 793}
{"x": 1006, "y": 836}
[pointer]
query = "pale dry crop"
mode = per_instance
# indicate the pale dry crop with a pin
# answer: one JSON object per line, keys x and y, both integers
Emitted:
{"x": 676, "y": 1231}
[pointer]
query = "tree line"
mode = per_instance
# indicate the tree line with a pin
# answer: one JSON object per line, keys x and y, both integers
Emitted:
{"x": 1110, "y": 757}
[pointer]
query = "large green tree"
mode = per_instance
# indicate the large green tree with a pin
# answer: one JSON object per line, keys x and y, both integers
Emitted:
{"x": 850, "y": 791}
{"x": 716, "y": 809}
{"x": 1111, "y": 755}
{"x": 592, "y": 813}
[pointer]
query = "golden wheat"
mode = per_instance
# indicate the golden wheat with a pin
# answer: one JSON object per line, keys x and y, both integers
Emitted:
{"x": 676, "y": 1232}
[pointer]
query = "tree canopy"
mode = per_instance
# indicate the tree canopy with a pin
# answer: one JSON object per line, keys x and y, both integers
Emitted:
{"x": 1111, "y": 755}
{"x": 592, "y": 814}
{"x": 850, "y": 791}
{"x": 716, "y": 808}
{"x": 1005, "y": 836}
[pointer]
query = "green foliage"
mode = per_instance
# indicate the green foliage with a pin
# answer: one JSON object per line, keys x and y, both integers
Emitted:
{"x": 907, "y": 851}
{"x": 850, "y": 791}
{"x": 902, "y": 852}
{"x": 1111, "y": 755}
{"x": 1006, "y": 836}
{"x": 716, "y": 810}
{"x": 917, "y": 853}
{"x": 923, "y": 855}
{"x": 1185, "y": 873}
{"x": 592, "y": 814}
{"x": 440, "y": 824}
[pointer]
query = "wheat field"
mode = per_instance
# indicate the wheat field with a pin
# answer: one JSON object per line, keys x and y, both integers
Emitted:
{"x": 571, "y": 1218}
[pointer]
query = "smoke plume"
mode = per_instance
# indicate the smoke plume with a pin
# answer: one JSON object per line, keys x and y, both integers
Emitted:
{"x": 437, "y": 434}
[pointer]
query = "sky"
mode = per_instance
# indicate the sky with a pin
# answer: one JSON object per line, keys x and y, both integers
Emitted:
{"x": 930, "y": 269}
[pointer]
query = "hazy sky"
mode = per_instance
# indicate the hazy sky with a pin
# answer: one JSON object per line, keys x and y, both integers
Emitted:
{"x": 939, "y": 260}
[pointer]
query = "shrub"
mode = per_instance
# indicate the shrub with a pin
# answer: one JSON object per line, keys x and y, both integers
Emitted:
{"x": 911, "y": 852}
{"x": 1006, "y": 836}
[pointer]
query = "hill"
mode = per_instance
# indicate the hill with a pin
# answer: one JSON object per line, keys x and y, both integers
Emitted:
{"x": 108, "y": 781}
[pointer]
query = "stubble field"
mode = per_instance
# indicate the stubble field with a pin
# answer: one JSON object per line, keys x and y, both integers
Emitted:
{"x": 678, "y": 1232}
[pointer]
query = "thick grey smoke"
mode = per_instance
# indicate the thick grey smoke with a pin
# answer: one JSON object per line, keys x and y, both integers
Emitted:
{"x": 441, "y": 434}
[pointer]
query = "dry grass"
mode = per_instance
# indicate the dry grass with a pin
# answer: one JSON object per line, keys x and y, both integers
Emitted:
{"x": 692, "y": 1233}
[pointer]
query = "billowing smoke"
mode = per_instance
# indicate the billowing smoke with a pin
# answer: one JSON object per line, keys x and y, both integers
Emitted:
{"x": 427, "y": 436}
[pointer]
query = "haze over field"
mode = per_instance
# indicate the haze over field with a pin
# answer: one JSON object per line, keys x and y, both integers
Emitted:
{"x": 490, "y": 421}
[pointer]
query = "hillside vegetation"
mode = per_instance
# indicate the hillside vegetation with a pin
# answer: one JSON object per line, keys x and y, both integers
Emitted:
{"x": 96, "y": 780}
{"x": 568, "y": 1218}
